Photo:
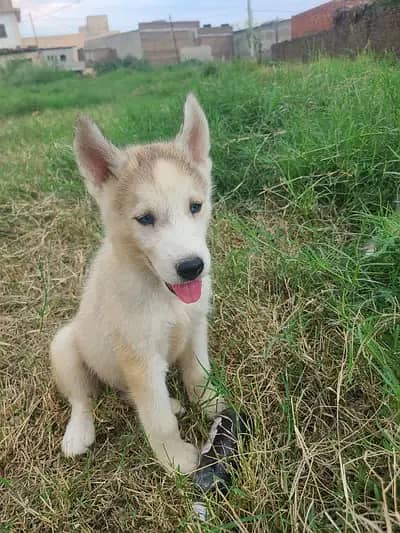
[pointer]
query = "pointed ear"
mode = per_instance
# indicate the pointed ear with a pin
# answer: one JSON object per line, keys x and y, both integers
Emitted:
{"x": 194, "y": 135}
{"x": 97, "y": 158}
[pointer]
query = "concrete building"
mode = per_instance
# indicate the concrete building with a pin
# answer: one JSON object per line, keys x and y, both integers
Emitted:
{"x": 124, "y": 44}
{"x": 166, "y": 42}
{"x": 98, "y": 55}
{"x": 10, "y": 37}
{"x": 49, "y": 41}
{"x": 63, "y": 58}
{"x": 59, "y": 51}
{"x": 219, "y": 38}
{"x": 19, "y": 54}
{"x": 265, "y": 35}
{"x": 162, "y": 40}
{"x": 202, "y": 52}
{"x": 96, "y": 26}
{"x": 320, "y": 18}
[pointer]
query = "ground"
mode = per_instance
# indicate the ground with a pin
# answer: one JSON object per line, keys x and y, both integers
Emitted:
{"x": 305, "y": 325}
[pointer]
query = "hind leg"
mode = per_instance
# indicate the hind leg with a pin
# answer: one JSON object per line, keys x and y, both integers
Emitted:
{"x": 76, "y": 384}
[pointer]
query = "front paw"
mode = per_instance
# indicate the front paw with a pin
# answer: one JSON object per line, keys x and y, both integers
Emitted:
{"x": 78, "y": 436}
{"x": 177, "y": 455}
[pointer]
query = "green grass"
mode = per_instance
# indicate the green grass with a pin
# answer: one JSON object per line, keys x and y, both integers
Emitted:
{"x": 305, "y": 329}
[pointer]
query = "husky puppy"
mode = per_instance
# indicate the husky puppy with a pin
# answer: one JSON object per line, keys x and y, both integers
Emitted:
{"x": 145, "y": 303}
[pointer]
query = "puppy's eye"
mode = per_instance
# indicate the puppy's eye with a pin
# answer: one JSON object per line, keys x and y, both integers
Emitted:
{"x": 146, "y": 220}
{"x": 195, "y": 207}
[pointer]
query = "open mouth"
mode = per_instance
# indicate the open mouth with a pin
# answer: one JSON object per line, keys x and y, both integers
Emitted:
{"x": 188, "y": 292}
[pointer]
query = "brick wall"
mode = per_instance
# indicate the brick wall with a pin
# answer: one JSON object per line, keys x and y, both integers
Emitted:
{"x": 159, "y": 25}
{"x": 125, "y": 44}
{"x": 161, "y": 40}
{"x": 220, "y": 39}
{"x": 320, "y": 18}
{"x": 159, "y": 47}
{"x": 374, "y": 27}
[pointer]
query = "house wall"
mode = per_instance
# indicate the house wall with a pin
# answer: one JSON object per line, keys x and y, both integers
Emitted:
{"x": 125, "y": 44}
{"x": 159, "y": 47}
{"x": 62, "y": 58}
{"x": 163, "y": 25}
{"x": 162, "y": 41}
{"x": 53, "y": 41}
{"x": 58, "y": 56}
{"x": 265, "y": 36}
{"x": 241, "y": 48}
{"x": 219, "y": 39}
{"x": 96, "y": 27}
{"x": 269, "y": 34}
{"x": 201, "y": 53}
{"x": 97, "y": 55}
{"x": 13, "y": 39}
{"x": 30, "y": 56}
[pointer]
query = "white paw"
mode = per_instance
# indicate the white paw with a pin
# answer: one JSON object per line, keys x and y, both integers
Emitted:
{"x": 78, "y": 436}
{"x": 185, "y": 458}
{"x": 176, "y": 406}
{"x": 178, "y": 456}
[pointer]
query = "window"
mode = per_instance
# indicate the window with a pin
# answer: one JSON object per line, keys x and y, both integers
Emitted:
{"x": 3, "y": 32}
{"x": 63, "y": 57}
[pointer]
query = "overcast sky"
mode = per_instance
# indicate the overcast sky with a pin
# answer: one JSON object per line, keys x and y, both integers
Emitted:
{"x": 63, "y": 16}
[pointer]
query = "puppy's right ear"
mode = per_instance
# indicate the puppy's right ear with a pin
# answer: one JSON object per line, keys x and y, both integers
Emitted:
{"x": 97, "y": 158}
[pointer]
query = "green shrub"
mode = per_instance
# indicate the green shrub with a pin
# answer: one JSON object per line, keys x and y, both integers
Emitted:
{"x": 210, "y": 69}
{"x": 129, "y": 62}
{"x": 20, "y": 73}
{"x": 134, "y": 63}
{"x": 107, "y": 65}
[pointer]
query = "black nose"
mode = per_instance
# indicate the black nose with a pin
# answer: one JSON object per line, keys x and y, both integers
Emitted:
{"x": 190, "y": 269}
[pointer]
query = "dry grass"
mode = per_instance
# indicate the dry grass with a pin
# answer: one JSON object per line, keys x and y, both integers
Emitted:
{"x": 304, "y": 333}
{"x": 310, "y": 427}
{"x": 44, "y": 253}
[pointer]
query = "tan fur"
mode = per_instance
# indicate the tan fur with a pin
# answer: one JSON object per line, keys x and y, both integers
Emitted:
{"x": 129, "y": 327}
{"x": 178, "y": 339}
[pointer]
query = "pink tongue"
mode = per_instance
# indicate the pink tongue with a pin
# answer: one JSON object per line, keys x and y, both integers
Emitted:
{"x": 188, "y": 292}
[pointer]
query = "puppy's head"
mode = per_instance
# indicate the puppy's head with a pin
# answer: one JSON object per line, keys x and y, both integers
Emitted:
{"x": 155, "y": 199}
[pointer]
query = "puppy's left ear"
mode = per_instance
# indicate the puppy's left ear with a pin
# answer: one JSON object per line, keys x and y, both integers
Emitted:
{"x": 97, "y": 158}
{"x": 194, "y": 136}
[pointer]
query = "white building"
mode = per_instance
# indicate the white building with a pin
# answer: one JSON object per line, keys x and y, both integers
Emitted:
{"x": 10, "y": 17}
{"x": 60, "y": 58}
{"x": 63, "y": 58}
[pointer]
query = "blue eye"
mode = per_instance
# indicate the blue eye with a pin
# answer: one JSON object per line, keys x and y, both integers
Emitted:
{"x": 195, "y": 207}
{"x": 146, "y": 220}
